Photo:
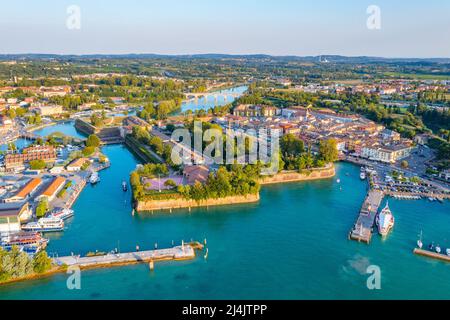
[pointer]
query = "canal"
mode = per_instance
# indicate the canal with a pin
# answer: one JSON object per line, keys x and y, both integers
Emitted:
{"x": 291, "y": 245}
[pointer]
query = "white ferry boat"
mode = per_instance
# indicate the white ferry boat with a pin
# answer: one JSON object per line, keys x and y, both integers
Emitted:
{"x": 385, "y": 221}
{"x": 45, "y": 225}
{"x": 29, "y": 242}
{"x": 94, "y": 178}
{"x": 62, "y": 214}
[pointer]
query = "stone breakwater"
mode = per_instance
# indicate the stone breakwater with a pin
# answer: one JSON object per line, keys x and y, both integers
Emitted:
{"x": 169, "y": 204}
{"x": 294, "y": 176}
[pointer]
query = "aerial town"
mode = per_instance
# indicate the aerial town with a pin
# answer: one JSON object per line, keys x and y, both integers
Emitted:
{"x": 57, "y": 134}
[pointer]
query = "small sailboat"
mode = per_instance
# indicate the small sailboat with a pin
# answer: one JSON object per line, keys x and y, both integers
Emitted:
{"x": 419, "y": 242}
{"x": 431, "y": 246}
{"x": 338, "y": 180}
{"x": 124, "y": 186}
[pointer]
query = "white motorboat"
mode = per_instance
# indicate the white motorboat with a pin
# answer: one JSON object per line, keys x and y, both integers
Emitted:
{"x": 385, "y": 220}
{"x": 94, "y": 178}
{"x": 438, "y": 249}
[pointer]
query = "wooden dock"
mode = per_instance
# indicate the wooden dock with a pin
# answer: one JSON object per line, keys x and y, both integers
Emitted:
{"x": 431, "y": 254}
{"x": 182, "y": 252}
{"x": 362, "y": 230}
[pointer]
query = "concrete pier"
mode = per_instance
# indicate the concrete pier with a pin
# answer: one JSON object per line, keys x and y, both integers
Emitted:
{"x": 183, "y": 252}
{"x": 362, "y": 230}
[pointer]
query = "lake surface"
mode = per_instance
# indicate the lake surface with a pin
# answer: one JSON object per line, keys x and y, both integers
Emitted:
{"x": 291, "y": 245}
{"x": 210, "y": 100}
{"x": 66, "y": 128}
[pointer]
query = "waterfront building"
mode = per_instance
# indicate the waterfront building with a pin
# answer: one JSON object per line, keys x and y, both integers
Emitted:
{"x": 249, "y": 110}
{"x": 54, "y": 91}
{"x": 11, "y": 214}
{"x": 386, "y": 153}
{"x": 76, "y": 164}
{"x": 17, "y": 161}
{"x": 5, "y": 123}
{"x": 52, "y": 190}
{"x": 49, "y": 110}
{"x": 26, "y": 191}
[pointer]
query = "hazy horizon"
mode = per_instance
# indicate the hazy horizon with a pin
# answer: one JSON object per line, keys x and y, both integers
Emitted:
{"x": 238, "y": 27}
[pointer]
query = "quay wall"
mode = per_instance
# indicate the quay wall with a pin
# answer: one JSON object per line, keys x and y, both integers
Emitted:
{"x": 292, "y": 176}
{"x": 85, "y": 127}
{"x": 169, "y": 204}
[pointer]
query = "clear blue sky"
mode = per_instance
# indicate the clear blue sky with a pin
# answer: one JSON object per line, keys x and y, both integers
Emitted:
{"x": 284, "y": 27}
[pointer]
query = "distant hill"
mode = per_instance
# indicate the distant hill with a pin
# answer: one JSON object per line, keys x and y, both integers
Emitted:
{"x": 216, "y": 56}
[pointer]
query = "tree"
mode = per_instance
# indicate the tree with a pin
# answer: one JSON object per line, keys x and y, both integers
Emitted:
{"x": 88, "y": 151}
{"x": 93, "y": 141}
{"x": 291, "y": 145}
{"x": 42, "y": 208}
{"x": 41, "y": 262}
{"x": 404, "y": 164}
{"x": 328, "y": 150}
{"x": 170, "y": 183}
{"x": 37, "y": 164}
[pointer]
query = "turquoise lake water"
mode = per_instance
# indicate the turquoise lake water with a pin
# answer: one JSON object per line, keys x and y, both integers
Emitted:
{"x": 64, "y": 127}
{"x": 291, "y": 245}
{"x": 20, "y": 143}
{"x": 223, "y": 97}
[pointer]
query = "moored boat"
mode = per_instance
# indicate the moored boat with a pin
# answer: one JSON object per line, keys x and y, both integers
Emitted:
{"x": 29, "y": 242}
{"x": 385, "y": 220}
{"x": 45, "y": 225}
{"x": 438, "y": 249}
{"x": 362, "y": 173}
{"x": 63, "y": 213}
{"x": 94, "y": 178}
{"x": 124, "y": 186}
{"x": 419, "y": 242}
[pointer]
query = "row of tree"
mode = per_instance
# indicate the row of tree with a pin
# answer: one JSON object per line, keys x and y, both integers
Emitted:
{"x": 17, "y": 264}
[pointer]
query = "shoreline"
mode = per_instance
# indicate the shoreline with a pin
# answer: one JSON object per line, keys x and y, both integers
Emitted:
{"x": 294, "y": 176}
{"x": 171, "y": 204}
{"x": 282, "y": 177}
